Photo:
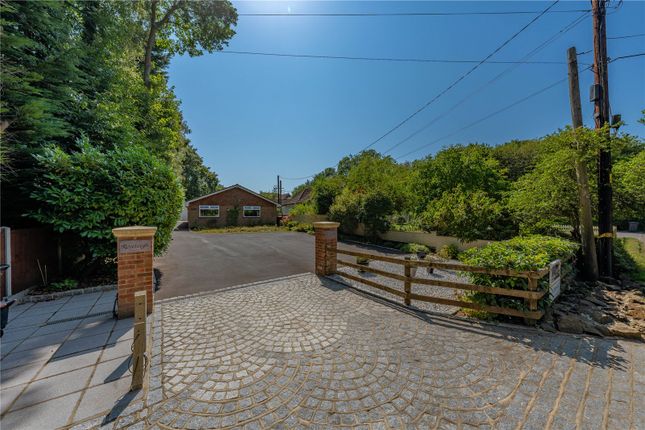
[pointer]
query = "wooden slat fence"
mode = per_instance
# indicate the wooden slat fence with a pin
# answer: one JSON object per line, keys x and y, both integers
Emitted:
{"x": 531, "y": 296}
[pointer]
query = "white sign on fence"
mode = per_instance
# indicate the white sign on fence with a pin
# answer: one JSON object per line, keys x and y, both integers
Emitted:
{"x": 555, "y": 269}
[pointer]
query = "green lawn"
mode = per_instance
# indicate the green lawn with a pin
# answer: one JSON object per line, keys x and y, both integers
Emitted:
{"x": 636, "y": 250}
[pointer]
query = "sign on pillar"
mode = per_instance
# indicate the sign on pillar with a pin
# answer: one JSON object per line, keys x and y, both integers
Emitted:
{"x": 135, "y": 249}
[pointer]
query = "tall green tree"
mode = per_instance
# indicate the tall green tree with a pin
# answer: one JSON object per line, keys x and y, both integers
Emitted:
{"x": 198, "y": 179}
{"x": 183, "y": 26}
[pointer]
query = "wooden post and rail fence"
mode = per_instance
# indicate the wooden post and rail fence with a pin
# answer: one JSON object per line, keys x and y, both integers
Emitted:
{"x": 327, "y": 263}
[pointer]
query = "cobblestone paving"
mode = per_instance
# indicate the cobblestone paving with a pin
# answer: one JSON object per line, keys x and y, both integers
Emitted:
{"x": 308, "y": 353}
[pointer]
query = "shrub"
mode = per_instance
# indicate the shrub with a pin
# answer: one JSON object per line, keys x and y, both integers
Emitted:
{"x": 520, "y": 253}
{"x": 232, "y": 216}
{"x": 467, "y": 215}
{"x": 413, "y": 248}
{"x": 371, "y": 209}
{"x": 449, "y": 252}
{"x": 303, "y": 209}
{"x": 86, "y": 194}
{"x": 64, "y": 285}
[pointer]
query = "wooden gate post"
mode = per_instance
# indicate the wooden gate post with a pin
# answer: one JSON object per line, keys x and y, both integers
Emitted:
{"x": 135, "y": 248}
{"x": 140, "y": 338}
{"x": 326, "y": 237}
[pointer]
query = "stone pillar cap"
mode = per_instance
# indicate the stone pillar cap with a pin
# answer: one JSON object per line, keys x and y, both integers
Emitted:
{"x": 134, "y": 231}
{"x": 326, "y": 224}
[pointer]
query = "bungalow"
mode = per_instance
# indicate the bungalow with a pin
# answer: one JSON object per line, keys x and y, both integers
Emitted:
{"x": 234, "y": 205}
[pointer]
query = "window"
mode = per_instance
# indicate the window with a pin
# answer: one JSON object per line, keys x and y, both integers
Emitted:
{"x": 208, "y": 211}
{"x": 251, "y": 211}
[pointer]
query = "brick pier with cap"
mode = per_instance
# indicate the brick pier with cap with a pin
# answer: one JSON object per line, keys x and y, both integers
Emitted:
{"x": 326, "y": 237}
{"x": 135, "y": 249}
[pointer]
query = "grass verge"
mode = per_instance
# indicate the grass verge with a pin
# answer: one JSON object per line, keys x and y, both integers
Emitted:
{"x": 636, "y": 250}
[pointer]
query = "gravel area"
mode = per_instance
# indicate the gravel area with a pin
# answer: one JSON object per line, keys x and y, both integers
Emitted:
{"x": 422, "y": 272}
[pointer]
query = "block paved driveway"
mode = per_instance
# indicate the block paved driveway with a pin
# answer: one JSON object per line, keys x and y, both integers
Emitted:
{"x": 197, "y": 262}
{"x": 305, "y": 352}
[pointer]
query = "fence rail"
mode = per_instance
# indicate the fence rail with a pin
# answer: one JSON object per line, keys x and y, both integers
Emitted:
{"x": 531, "y": 296}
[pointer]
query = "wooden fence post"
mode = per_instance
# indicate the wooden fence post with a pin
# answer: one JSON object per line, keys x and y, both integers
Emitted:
{"x": 139, "y": 350}
{"x": 407, "y": 286}
{"x": 533, "y": 303}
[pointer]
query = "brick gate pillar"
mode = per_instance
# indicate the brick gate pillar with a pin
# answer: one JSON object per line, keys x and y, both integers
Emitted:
{"x": 135, "y": 248}
{"x": 326, "y": 236}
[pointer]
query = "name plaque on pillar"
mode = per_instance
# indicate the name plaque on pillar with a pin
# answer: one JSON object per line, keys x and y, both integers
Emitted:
{"x": 329, "y": 234}
{"x": 133, "y": 246}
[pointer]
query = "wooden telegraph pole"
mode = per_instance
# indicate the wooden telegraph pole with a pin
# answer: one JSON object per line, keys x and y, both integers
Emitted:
{"x": 584, "y": 196}
{"x": 600, "y": 96}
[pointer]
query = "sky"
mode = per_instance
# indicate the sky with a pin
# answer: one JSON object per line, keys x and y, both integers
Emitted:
{"x": 254, "y": 117}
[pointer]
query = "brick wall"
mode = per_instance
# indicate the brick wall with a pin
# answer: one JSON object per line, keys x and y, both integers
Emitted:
{"x": 229, "y": 199}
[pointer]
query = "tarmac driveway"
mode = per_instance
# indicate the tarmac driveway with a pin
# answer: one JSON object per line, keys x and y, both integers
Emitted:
{"x": 197, "y": 262}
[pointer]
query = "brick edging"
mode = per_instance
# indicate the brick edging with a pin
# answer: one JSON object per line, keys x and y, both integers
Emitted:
{"x": 59, "y": 294}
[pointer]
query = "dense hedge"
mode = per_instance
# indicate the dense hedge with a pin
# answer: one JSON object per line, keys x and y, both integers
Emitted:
{"x": 87, "y": 193}
{"x": 519, "y": 253}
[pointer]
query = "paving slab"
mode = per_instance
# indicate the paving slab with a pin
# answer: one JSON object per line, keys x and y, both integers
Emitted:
{"x": 51, "y": 414}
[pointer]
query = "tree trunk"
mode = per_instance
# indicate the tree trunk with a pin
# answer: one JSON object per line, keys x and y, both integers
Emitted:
{"x": 150, "y": 44}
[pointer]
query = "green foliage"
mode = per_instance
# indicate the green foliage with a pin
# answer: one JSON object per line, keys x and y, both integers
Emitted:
{"x": 547, "y": 195}
{"x": 467, "y": 168}
{"x": 307, "y": 208}
{"x": 523, "y": 253}
{"x": 517, "y": 157}
{"x": 324, "y": 191}
{"x": 197, "y": 179}
{"x": 629, "y": 258}
{"x": 64, "y": 285}
{"x": 72, "y": 70}
{"x": 414, "y": 248}
{"x": 300, "y": 227}
{"x": 347, "y": 210}
{"x": 371, "y": 209}
{"x": 233, "y": 215}
{"x": 467, "y": 215}
{"x": 449, "y": 252}
{"x": 86, "y": 194}
{"x": 628, "y": 177}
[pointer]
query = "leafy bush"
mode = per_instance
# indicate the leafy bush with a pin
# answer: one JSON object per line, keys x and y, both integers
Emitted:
{"x": 467, "y": 215}
{"x": 371, "y": 209}
{"x": 64, "y": 285}
{"x": 449, "y": 252}
{"x": 232, "y": 216}
{"x": 520, "y": 253}
{"x": 86, "y": 194}
{"x": 300, "y": 227}
{"x": 413, "y": 248}
{"x": 303, "y": 209}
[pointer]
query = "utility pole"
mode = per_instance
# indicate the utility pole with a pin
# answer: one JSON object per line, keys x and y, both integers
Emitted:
{"x": 600, "y": 96}
{"x": 584, "y": 196}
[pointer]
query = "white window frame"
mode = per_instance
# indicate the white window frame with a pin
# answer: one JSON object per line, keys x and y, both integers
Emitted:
{"x": 251, "y": 208}
{"x": 208, "y": 207}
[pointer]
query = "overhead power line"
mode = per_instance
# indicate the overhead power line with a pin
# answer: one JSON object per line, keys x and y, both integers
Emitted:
{"x": 524, "y": 59}
{"x": 629, "y": 36}
{"x": 297, "y": 179}
{"x": 505, "y": 108}
{"x": 462, "y": 77}
{"x": 377, "y": 14}
{"x": 388, "y": 59}
{"x": 497, "y": 112}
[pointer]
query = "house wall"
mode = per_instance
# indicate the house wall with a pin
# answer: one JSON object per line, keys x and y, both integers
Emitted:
{"x": 228, "y": 200}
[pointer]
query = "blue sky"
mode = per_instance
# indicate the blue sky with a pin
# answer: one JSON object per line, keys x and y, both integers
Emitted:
{"x": 253, "y": 117}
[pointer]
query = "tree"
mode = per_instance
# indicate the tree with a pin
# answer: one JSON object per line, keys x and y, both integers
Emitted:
{"x": 468, "y": 215}
{"x": 470, "y": 167}
{"x": 517, "y": 157}
{"x": 187, "y": 27}
{"x": 629, "y": 191}
{"x": 197, "y": 179}
{"x": 85, "y": 194}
